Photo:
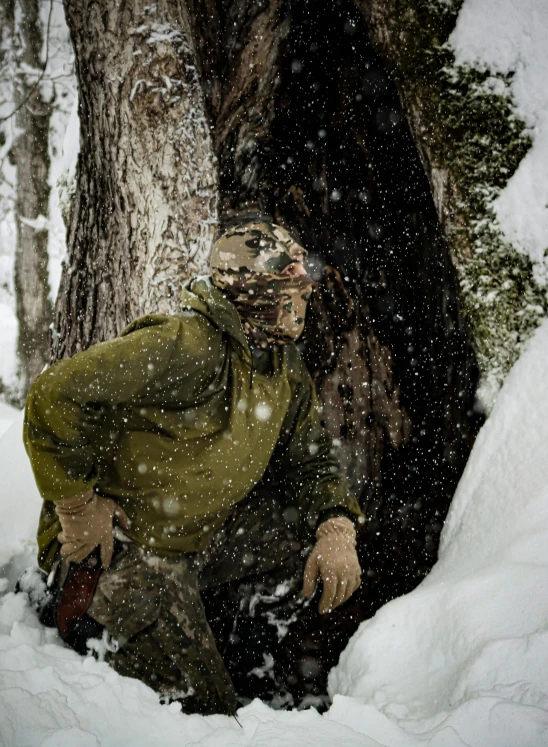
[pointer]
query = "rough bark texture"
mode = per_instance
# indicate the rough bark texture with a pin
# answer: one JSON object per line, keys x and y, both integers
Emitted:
{"x": 384, "y": 340}
{"x": 355, "y": 383}
{"x": 31, "y": 157}
{"x": 145, "y": 210}
{"x": 307, "y": 128}
{"x": 392, "y": 32}
{"x": 253, "y": 41}
{"x": 470, "y": 143}
{"x": 246, "y": 54}
{"x": 240, "y": 45}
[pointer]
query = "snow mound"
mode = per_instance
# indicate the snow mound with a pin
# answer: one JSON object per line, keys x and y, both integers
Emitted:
{"x": 466, "y": 653}
{"x": 8, "y": 333}
{"x": 462, "y": 660}
{"x": 50, "y": 696}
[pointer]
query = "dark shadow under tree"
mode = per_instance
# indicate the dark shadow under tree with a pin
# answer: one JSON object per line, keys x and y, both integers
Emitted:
{"x": 306, "y": 128}
{"x": 384, "y": 341}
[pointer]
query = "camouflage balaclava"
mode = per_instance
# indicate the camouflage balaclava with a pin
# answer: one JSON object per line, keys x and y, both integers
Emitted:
{"x": 247, "y": 263}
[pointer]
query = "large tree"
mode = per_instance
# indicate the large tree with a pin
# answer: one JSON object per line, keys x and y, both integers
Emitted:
{"x": 470, "y": 142}
{"x": 195, "y": 113}
{"x": 28, "y": 123}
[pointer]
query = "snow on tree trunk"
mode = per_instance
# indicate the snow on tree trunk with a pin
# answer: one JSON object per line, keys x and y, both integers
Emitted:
{"x": 470, "y": 142}
{"x": 145, "y": 209}
{"x": 30, "y": 154}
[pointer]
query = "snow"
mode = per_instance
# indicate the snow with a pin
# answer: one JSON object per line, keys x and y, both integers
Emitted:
{"x": 62, "y": 177}
{"x": 8, "y": 328}
{"x": 64, "y": 143}
{"x": 462, "y": 660}
{"x": 468, "y": 649}
{"x": 505, "y": 36}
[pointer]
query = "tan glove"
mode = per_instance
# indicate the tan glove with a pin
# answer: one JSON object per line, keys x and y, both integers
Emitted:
{"x": 86, "y": 520}
{"x": 334, "y": 558}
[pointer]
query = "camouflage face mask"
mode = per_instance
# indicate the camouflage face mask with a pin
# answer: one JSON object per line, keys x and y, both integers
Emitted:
{"x": 247, "y": 264}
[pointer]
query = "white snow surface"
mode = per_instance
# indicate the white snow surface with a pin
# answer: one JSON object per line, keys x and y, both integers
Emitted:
{"x": 462, "y": 660}
{"x": 8, "y": 328}
{"x": 465, "y": 655}
{"x": 509, "y": 36}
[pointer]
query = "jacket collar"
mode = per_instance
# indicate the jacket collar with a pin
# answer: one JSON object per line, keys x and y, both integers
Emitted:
{"x": 199, "y": 294}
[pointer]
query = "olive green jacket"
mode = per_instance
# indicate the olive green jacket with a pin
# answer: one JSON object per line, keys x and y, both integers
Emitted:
{"x": 174, "y": 422}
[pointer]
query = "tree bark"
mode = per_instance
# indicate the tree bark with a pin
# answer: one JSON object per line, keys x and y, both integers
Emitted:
{"x": 245, "y": 54}
{"x": 253, "y": 42}
{"x": 392, "y": 28}
{"x": 145, "y": 211}
{"x": 259, "y": 108}
{"x": 470, "y": 143}
{"x": 354, "y": 378}
{"x": 31, "y": 157}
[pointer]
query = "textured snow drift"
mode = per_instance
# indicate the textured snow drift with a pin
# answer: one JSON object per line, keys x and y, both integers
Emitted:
{"x": 468, "y": 649}
{"x": 462, "y": 660}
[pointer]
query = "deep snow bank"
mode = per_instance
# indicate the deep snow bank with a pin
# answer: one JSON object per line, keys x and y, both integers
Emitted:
{"x": 468, "y": 649}
{"x": 462, "y": 660}
{"x": 50, "y": 696}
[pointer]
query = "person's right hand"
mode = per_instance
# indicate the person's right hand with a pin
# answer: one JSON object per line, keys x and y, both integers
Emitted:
{"x": 86, "y": 523}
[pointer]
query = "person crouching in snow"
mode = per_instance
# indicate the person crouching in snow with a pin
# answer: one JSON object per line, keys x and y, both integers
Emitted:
{"x": 150, "y": 452}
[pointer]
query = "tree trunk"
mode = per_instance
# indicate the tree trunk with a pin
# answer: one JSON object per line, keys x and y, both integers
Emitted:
{"x": 145, "y": 211}
{"x": 470, "y": 143}
{"x": 31, "y": 157}
{"x": 275, "y": 94}
{"x": 354, "y": 377}
{"x": 345, "y": 174}
{"x": 246, "y": 69}
{"x": 253, "y": 41}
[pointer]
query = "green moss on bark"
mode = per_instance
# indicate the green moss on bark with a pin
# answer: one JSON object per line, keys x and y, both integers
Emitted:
{"x": 471, "y": 140}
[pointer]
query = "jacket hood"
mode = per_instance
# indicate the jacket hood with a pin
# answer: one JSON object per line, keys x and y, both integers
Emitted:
{"x": 200, "y": 295}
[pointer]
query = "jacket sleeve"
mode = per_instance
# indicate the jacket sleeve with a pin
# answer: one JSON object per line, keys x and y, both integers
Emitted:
{"x": 306, "y": 465}
{"x": 67, "y": 405}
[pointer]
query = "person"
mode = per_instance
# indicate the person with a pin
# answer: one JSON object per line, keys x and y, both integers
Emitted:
{"x": 155, "y": 454}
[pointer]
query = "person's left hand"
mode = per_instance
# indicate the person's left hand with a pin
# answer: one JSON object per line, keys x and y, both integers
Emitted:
{"x": 335, "y": 560}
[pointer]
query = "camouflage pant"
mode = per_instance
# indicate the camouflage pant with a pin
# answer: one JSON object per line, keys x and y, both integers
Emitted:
{"x": 153, "y": 610}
